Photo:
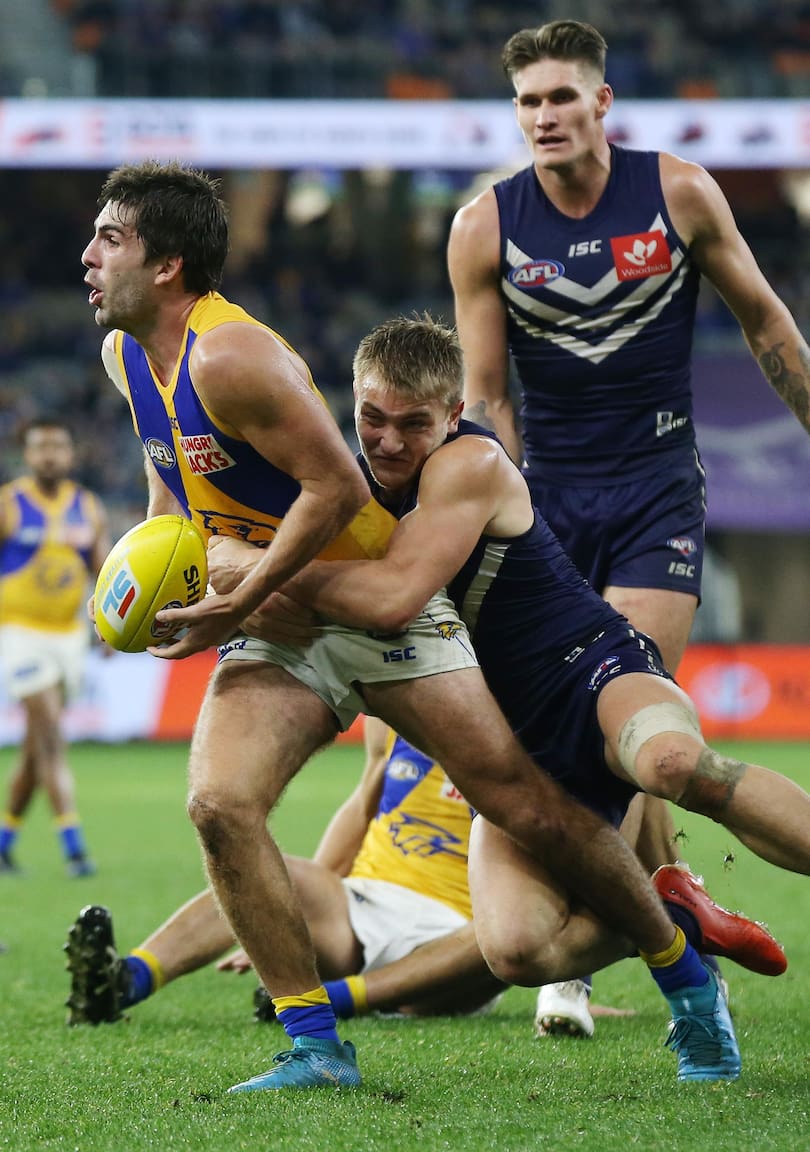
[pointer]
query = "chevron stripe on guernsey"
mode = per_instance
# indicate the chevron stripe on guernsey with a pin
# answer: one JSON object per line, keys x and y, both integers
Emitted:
{"x": 600, "y": 311}
{"x": 489, "y": 566}
{"x": 547, "y": 323}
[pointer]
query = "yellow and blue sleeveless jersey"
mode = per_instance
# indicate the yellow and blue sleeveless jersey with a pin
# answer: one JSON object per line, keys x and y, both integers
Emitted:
{"x": 420, "y": 835}
{"x": 46, "y": 554}
{"x": 225, "y": 486}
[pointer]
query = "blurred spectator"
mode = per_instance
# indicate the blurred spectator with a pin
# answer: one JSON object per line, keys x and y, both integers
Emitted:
{"x": 310, "y": 48}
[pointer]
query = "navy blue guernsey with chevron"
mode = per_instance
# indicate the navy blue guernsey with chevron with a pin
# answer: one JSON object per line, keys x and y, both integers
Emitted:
{"x": 600, "y": 315}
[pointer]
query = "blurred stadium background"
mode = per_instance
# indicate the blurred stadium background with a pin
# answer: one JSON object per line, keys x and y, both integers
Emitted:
{"x": 346, "y": 135}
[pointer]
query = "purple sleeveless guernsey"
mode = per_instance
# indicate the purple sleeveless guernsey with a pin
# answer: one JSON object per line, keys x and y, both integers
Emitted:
{"x": 600, "y": 318}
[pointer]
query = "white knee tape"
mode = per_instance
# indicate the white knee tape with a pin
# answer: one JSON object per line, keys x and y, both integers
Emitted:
{"x": 667, "y": 716}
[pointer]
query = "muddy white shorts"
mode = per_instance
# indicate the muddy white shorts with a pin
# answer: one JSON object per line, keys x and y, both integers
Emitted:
{"x": 341, "y": 657}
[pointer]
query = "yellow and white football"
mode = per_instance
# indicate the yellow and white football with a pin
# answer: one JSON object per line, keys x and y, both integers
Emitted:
{"x": 160, "y": 563}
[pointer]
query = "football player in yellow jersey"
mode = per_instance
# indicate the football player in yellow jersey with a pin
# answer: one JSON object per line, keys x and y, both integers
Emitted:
{"x": 53, "y": 540}
{"x": 388, "y": 881}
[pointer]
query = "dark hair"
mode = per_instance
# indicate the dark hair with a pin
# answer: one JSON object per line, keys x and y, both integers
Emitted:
{"x": 43, "y": 423}
{"x": 418, "y": 356}
{"x": 177, "y": 211}
{"x": 559, "y": 40}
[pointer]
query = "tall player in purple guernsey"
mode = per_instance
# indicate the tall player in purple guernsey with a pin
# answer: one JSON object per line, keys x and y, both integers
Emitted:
{"x": 584, "y": 267}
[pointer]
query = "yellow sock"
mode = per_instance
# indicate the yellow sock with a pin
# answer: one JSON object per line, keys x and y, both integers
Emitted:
{"x": 670, "y": 955}
{"x": 66, "y": 820}
{"x": 154, "y": 966}
{"x": 311, "y": 999}
{"x": 359, "y": 993}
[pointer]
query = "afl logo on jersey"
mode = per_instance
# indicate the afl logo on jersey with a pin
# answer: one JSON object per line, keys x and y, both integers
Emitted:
{"x": 160, "y": 453}
{"x": 536, "y": 273}
{"x": 683, "y": 544}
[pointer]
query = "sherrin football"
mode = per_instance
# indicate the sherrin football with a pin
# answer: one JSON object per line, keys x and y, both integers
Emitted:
{"x": 160, "y": 563}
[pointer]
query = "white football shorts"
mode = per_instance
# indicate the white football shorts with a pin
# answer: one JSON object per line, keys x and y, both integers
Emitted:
{"x": 436, "y": 642}
{"x": 33, "y": 660}
{"x": 390, "y": 921}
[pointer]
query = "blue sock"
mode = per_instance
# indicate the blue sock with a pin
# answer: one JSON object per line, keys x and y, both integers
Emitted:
{"x": 72, "y": 841}
{"x": 691, "y": 929}
{"x": 688, "y": 972}
{"x": 317, "y": 1020}
{"x": 686, "y": 922}
{"x": 341, "y": 998}
{"x": 7, "y": 837}
{"x": 141, "y": 983}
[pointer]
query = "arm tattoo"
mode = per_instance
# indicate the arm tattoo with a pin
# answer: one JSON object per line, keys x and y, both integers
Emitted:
{"x": 478, "y": 415}
{"x": 793, "y": 387}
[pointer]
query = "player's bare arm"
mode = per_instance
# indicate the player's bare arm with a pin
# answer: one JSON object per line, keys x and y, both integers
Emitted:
{"x": 256, "y": 388}
{"x": 279, "y": 618}
{"x": 466, "y": 488}
{"x": 473, "y": 264}
{"x": 702, "y": 216}
{"x": 230, "y": 560}
{"x": 161, "y": 500}
{"x": 345, "y": 832}
{"x": 101, "y": 542}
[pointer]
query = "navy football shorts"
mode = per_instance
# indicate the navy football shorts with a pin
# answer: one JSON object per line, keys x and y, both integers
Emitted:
{"x": 645, "y": 534}
{"x": 561, "y": 730}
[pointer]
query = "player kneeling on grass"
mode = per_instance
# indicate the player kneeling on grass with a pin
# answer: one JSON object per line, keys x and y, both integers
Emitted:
{"x": 586, "y": 693}
{"x": 385, "y": 899}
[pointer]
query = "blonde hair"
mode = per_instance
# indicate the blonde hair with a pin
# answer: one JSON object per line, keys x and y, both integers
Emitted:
{"x": 417, "y": 356}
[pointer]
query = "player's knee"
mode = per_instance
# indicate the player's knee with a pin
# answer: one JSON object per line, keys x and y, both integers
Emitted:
{"x": 220, "y": 819}
{"x": 658, "y": 747}
{"x": 519, "y": 956}
{"x": 665, "y": 765}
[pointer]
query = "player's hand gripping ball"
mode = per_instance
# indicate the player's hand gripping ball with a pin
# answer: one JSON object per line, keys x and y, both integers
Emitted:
{"x": 160, "y": 563}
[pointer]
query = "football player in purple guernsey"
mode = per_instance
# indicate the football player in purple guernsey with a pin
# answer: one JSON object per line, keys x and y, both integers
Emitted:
{"x": 584, "y": 269}
{"x": 586, "y": 693}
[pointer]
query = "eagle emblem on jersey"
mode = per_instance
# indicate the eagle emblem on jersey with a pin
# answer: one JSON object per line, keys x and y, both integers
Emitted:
{"x": 447, "y": 631}
{"x": 415, "y": 837}
{"x": 224, "y": 524}
{"x": 641, "y": 255}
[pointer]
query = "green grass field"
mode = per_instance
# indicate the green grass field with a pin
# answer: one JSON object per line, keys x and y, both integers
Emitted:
{"x": 159, "y": 1080}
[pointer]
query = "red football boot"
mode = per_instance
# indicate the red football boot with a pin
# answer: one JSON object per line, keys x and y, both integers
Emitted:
{"x": 722, "y": 933}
